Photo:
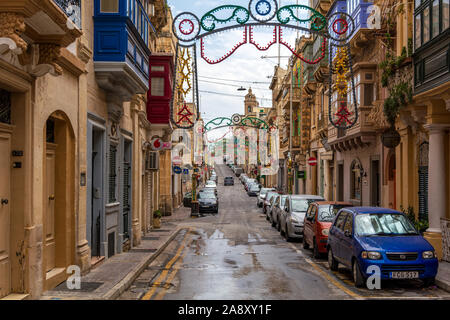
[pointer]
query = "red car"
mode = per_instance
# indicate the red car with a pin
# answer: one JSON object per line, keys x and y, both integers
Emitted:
{"x": 318, "y": 221}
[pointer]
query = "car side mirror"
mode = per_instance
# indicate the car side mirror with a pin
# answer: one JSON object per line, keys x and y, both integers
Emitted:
{"x": 347, "y": 234}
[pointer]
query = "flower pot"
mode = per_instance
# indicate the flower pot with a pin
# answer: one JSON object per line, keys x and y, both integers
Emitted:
{"x": 157, "y": 223}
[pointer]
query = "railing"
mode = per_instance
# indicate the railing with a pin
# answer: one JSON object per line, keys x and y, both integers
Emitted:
{"x": 140, "y": 19}
{"x": 72, "y": 8}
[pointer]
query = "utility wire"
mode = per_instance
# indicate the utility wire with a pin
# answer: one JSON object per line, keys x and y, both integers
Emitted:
{"x": 230, "y": 95}
{"x": 231, "y": 85}
{"x": 235, "y": 80}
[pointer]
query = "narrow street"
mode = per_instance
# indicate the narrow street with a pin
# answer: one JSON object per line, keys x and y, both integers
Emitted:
{"x": 238, "y": 255}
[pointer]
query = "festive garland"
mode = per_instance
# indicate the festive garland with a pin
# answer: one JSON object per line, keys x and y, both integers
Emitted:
{"x": 185, "y": 72}
{"x": 210, "y": 16}
{"x": 229, "y": 53}
{"x": 260, "y": 47}
{"x": 290, "y": 14}
{"x": 341, "y": 71}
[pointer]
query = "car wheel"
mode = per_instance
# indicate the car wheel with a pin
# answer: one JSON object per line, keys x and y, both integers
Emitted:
{"x": 316, "y": 252}
{"x": 332, "y": 262}
{"x": 278, "y": 226}
{"x": 358, "y": 278}
{"x": 286, "y": 235}
{"x": 272, "y": 222}
{"x": 305, "y": 243}
{"x": 429, "y": 282}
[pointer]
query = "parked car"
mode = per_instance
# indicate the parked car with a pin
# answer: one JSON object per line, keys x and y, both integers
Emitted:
{"x": 317, "y": 223}
{"x": 187, "y": 199}
{"x": 228, "y": 181}
{"x": 370, "y": 236}
{"x": 253, "y": 190}
{"x": 273, "y": 200}
{"x": 262, "y": 196}
{"x": 238, "y": 171}
{"x": 243, "y": 177}
{"x": 248, "y": 182}
{"x": 266, "y": 205}
{"x": 292, "y": 218}
{"x": 277, "y": 211}
{"x": 213, "y": 178}
{"x": 208, "y": 202}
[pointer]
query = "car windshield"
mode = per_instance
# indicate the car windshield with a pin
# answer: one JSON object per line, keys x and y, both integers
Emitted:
{"x": 264, "y": 191}
{"x": 210, "y": 183}
{"x": 254, "y": 188}
{"x": 206, "y": 195}
{"x": 327, "y": 213}
{"x": 283, "y": 201}
{"x": 387, "y": 224}
{"x": 301, "y": 205}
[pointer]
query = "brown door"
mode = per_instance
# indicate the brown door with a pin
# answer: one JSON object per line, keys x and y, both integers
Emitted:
{"x": 49, "y": 201}
{"x": 5, "y": 166}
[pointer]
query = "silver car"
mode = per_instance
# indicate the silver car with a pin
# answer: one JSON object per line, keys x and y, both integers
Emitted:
{"x": 262, "y": 196}
{"x": 266, "y": 204}
{"x": 277, "y": 211}
{"x": 293, "y": 216}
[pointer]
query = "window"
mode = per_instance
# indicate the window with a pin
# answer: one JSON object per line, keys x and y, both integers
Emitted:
{"x": 355, "y": 180}
{"x": 5, "y": 107}
{"x": 418, "y": 32}
{"x": 109, "y": 6}
{"x": 445, "y": 14}
{"x": 340, "y": 220}
{"x": 435, "y": 19}
{"x": 426, "y": 24}
{"x": 368, "y": 94}
{"x": 349, "y": 224}
{"x": 112, "y": 173}
{"x": 157, "y": 87}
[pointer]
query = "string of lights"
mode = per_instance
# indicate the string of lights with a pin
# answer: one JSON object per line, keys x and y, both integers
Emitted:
{"x": 230, "y": 95}
{"x": 231, "y": 85}
{"x": 235, "y": 80}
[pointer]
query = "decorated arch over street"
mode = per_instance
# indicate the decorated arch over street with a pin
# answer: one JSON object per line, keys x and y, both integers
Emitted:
{"x": 263, "y": 24}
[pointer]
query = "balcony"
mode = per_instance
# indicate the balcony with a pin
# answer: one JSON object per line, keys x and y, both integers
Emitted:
{"x": 360, "y": 15}
{"x": 321, "y": 6}
{"x": 321, "y": 70}
{"x": 121, "y": 49}
{"x": 38, "y": 30}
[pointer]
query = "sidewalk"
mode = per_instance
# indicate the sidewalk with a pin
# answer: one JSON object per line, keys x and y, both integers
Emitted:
{"x": 115, "y": 275}
{"x": 443, "y": 276}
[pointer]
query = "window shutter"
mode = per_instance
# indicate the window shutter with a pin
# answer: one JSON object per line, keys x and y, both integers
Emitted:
{"x": 112, "y": 173}
{"x": 423, "y": 193}
{"x": 368, "y": 94}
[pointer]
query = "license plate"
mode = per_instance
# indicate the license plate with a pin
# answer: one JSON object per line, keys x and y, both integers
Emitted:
{"x": 405, "y": 275}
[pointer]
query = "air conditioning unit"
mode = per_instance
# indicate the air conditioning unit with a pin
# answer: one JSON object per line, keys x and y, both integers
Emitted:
{"x": 152, "y": 160}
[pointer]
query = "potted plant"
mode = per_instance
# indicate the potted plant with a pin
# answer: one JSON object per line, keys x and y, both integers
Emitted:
{"x": 157, "y": 219}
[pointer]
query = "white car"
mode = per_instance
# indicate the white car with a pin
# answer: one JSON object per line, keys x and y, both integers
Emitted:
{"x": 262, "y": 196}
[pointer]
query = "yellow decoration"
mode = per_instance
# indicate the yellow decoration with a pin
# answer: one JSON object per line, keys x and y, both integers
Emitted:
{"x": 341, "y": 70}
{"x": 184, "y": 71}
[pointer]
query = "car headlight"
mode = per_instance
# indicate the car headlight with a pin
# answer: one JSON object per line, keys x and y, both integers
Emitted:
{"x": 371, "y": 255}
{"x": 428, "y": 255}
{"x": 325, "y": 232}
{"x": 295, "y": 220}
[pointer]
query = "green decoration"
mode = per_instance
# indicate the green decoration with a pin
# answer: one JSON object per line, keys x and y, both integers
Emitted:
{"x": 236, "y": 9}
{"x": 318, "y": 21}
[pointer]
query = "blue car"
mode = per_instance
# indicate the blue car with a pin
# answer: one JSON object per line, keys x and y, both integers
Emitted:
{"x": 367, "y": 236}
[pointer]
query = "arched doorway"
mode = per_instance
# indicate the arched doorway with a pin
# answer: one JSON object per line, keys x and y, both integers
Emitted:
{"x": 58, "y": 199}
{"x": 392, "y": 186}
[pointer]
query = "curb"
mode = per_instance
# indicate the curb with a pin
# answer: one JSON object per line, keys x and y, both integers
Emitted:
{"x": 444, "y": 285}
{"x": 126, "y": 282}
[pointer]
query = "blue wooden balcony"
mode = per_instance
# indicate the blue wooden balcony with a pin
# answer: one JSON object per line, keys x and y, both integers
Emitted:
{"x": 122, "y": 30}
{"x": 358, "y": 10}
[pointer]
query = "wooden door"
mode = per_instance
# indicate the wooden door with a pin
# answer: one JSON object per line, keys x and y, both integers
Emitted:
{"x": 5, "y": 167}
{"x": 49, "y": 200}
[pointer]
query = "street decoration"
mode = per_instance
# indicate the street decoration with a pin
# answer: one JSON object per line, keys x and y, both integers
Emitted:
{"x": 156, "y": 144}
{"x": 262, "y": 24}
{"x": 185, "y": 115}
{"x": 237, "y": 121}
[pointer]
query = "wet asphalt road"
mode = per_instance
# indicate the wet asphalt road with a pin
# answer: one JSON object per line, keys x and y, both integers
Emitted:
{"x": 237, "y": 255}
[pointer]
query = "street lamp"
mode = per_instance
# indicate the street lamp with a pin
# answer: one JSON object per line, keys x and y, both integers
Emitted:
{"x": 241, "y": 89}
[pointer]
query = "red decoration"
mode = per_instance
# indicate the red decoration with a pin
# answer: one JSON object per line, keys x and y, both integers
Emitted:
{"x": 186, "y": 27}
{"x": 286, "y": 44}
{"x": 343, "y": 115}
{"x": 185, "y": 114}
{"x": 344, "y": 29}
{"x": 260, "y": 47}
{"x": 229, "y": 53}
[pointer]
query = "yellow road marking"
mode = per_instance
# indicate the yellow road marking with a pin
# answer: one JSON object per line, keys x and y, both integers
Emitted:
{"x": 333, "y": 281}
{"x": 163, "y": 274}
{"x": 171, "y": 276}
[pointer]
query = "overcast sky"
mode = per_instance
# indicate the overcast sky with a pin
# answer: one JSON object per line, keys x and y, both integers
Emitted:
{"x": 244, "y": 65}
